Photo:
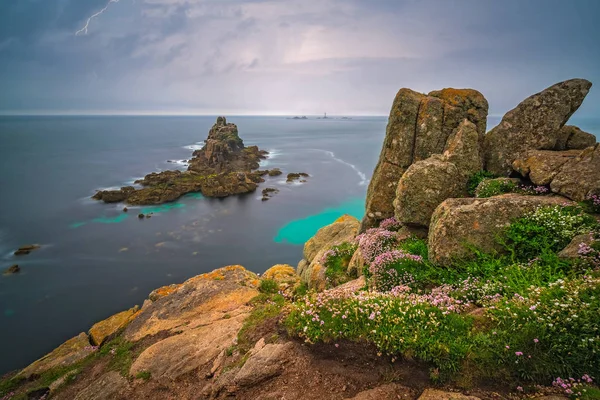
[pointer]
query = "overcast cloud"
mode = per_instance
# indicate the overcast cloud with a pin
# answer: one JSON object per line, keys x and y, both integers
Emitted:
{"x": 288, "y": 56}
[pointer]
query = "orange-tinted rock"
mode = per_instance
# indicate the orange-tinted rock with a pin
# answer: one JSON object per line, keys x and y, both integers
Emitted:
{"x": 110, "y": 327}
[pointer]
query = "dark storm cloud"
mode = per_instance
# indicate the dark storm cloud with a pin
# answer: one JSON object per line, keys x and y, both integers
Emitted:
{"x": 295, "y": 56}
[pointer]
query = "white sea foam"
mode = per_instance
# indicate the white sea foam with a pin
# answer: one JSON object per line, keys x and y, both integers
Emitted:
{"x": 195, "y": 146}
{"x": 273, "y": 153}
{"x": 363, "y": 177}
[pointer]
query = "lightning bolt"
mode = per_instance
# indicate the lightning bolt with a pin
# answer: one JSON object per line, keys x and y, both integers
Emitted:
{"x": 84, "y": 30}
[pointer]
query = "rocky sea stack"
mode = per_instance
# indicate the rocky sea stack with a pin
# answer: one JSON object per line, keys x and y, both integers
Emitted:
{"x": 223, "y": 167}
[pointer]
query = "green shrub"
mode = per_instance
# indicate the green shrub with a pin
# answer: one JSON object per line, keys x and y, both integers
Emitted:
{"x": 495, "y": 187}
{"x": 416, "y": 246}
{"x": 547, "y": 229}
{"x": 268, "y": 286}
{"x": 144, "y": 375}
{"x": 476, "y": 178}
{"x": 336, "y": 261}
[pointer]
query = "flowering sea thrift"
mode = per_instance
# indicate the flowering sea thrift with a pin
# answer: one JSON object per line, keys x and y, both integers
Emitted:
{"x": 376, "y": 241}
{"x": 387, "y": 270}
{"x": 391, "y": 224}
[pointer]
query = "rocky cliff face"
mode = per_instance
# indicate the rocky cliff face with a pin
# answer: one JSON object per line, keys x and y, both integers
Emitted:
{"x": 419, "y": 126}
{"x": 223, "y": 167}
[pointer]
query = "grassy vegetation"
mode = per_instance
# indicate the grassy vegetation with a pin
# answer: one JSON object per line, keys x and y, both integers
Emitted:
{"x": 536, "y": 319}
{"x": 495, "y": 187}
{"x": 336, "y": 261}
{"x": 143, "y": 375}
{"x": 475, "y": 180}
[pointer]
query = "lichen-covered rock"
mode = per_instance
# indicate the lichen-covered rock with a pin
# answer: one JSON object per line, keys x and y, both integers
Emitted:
{"x": 533, "y": 125}
{"x": 425, "y": 185}
{"x": 571, "y": 252}
{"x": 199, "y": 301}
{"x": 579, "y": 178}
{"x": 106, "y": 387}
{"x": 163, "y": 291}
{"x": 263, "y": 364}
{"x": 110, "y": 327}
{"x": 459, "y": 223}
{"x": 344, "y": 229}
{"x": 282, "y": 274}
{"x": 572, "y": 138}
{"x": 419, "y": 126}
{"x": 68, "y": 353}
{"x": 541, "y": 166}
{"x": 464, "y": 149}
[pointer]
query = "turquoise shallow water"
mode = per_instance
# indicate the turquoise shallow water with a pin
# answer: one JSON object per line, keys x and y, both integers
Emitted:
{"x": 300, "y": 230}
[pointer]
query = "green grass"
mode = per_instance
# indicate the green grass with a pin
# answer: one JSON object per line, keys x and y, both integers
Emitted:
{"x": 144, "y": 375}
{"x": 268, "y": 286}
{"x": 476, "y": 178}
{"x": 266, "y": 306}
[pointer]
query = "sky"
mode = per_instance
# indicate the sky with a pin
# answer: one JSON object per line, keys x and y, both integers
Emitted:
{"x": 287, "y": 57}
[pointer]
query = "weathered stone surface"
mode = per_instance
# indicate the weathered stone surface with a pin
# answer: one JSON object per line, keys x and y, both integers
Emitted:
{"x": 572, "y": 138}
{"x": 68, "y": 353}
{"x": 457, "y": 223}
{"x": 571, "y": 251}
{"x": 356, "y": 265}
{"x": 383, "y": 392}
{"x": 344, "y": 229}
{"x": 199, "y": 301}
{"x": 463, "y": 149}
{"x": 579, "y": 177}
{"x": 110, "y": 327}
{"x": 434, "y": 394}
{"x": 533, "y": 125}
{"x": 264, "y": 364}
{"x": 163, "y": 291}
{"x": 541, "y": 166}
{"x": 419, "y": 126}
{"x": 196, "y": 347}
{"x": 107, "y": 387}
{"x": 425, "y": 185}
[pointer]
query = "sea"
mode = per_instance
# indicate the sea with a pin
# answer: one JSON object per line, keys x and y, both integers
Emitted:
{"x": 96, "y": 260}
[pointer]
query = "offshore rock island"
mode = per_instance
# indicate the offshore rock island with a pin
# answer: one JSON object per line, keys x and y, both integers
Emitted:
{"x": 223, "y": 167}
{"x": 474, "y": 275}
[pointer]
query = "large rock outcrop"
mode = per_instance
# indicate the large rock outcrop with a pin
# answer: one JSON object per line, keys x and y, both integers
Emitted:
{"x": 427, "y": 183}
{"x": 424, "y": 185}
{"x": 571, "y": 173}
{"x": 419, "y": 126}
{"x": 344, "y": 229}
{"x": 535, "y": 124}
{"x": 458, "y": 224}
{"x": 223, "y": 167}
{"x": 203, "y": 315}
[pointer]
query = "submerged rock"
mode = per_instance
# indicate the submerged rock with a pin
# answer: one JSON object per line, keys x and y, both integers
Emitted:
{"x": 535, "y": 124}
{"x": 28, "y": 248}
{"x": 275, "y": 172}
{"x": 459, "y": 223}
{"x": 419, "y": 126}
{"x": 13, "y": 269}
{"x": 293, "y": 176}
